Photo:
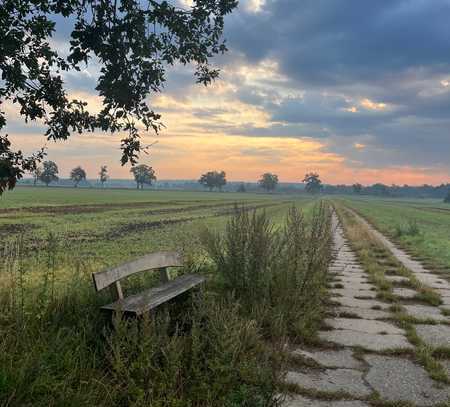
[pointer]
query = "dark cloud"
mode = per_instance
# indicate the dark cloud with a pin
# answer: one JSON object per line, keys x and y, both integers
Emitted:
{"x": 337, "y": 54}
{"x": 332, "y": 55}
{"x": 328, "y": 42}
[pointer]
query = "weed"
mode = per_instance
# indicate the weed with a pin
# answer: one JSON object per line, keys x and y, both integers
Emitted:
{"x": 278, "y": 275}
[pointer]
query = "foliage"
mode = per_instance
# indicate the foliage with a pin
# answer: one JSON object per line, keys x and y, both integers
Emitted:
{"x": 218, "y": 360}
{"x": 37, "y": 175}
{"x": 241, "y": 188}
{"x": 357, "y": 188}
{"x": 143, "y": 175}
{"x": 13, "y": 163}
{"x": 410, "y": 229}
{"x": 313, "y": 183}
{"x": 57, "y": 348}
{"x": 133, "y": 42}
{"x": 378, "y": 189}
{"x": 49, "y": 172}
{"x": 447, "y": 198}
{"x": 103, "y": 174}
{"x": 278, "y": 275}
{"x": 213, "y": 179}
{"x": 268, "y": 181}
{"x": 77, "y": 175}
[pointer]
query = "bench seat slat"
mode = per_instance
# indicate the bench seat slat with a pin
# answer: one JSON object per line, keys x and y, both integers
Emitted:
{"x": 143, "y": 302}
{"x": 150, "y": 261}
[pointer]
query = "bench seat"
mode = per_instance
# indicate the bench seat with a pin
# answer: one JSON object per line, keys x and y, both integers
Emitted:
{"x": 141, "y": 303}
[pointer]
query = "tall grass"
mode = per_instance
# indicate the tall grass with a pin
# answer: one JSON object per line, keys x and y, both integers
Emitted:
{"x": 277, "y": 274}
{"x": 57, "y": 349}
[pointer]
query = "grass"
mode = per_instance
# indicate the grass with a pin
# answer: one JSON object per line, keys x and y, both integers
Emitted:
{"x": 376, "y": 261}
{"x": 22, "y": 196}
{"x": 420, "y": 226}
{"x": 109, "y": 226}
{"x": 216, "y": 348}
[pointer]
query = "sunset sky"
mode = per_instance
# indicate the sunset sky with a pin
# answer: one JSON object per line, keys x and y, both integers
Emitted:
{"x": 357, "y": 90}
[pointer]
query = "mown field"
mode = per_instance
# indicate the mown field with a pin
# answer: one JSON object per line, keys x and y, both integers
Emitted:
{"x": 266, "y": 265}
{"x": 422, "y": 226}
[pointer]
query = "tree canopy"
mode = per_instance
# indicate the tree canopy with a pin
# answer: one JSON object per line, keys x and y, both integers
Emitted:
{"x": 313, "y": 183}
{"x": 357, "y": 188}
{"x": 213, "y": 179}
{"x": 133, "y": 41}
{"x": 103, "y": 174}
{"x": 268, "y": 181}
{"x": 49, "y": 172}
{"x": 447, "y": 198}
{"x": 77, "y": 175}
{"x": 143, "y": 175}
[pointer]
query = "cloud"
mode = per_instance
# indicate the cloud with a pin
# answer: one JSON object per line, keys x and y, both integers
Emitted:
{"x": 360, "y": 90}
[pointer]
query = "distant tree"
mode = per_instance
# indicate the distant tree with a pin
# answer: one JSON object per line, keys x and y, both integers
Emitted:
{"x": 313, "y": 183}
{"x": 103, "y": 174}
{"x": 49, "y": 172}
{"x": 77, "y": 175}
{"x": 143, "y": 175}
{"x": 357, "y": 188}
{"x": 381, "y": 189}
{"x": 37, "y": 175}
{"x": 268, "y": 181}
{"x": 241, "y": 188}
{"x": 132, "y": 42}
{"x": 447, "y": 198}
{"x": 213, "y": 179}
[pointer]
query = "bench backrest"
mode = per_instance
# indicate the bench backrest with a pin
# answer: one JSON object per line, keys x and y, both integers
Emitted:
{"x": 159, "y": 260}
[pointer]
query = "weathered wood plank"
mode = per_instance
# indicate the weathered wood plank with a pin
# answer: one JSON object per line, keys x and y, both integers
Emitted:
{"x": 164, "y": 275}
{"x": 140, "y": 303}
{"x": 151, "y": 261}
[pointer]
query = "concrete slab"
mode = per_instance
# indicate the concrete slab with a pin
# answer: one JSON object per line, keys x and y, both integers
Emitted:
{"x": 397, "y": 379}
{"x": 332, "y": 358}
{"x": 425, "y": 312}
{"x": 331, "y": 380}
{"x": 350, "y": 293}
{"x": 355, "y": 303}
{"x": 361, "y": 312}
{"x": 397, "y": 279}
{"x": 300, "y": 401}
{"x": 367, "y": 341}
{"x": 404, "y": 293}
{"x": 364, "y": 325}
{"x": 434, "y": 335}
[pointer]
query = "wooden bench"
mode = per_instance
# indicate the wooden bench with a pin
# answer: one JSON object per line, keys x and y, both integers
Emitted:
{"x": 141, "y": 303}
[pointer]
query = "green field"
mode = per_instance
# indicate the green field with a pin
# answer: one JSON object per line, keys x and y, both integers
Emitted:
{"x": 107, "y": 226}
{"x": 422, "y": 226}
{"x": 58, "y": 348}
{"x": 266, "y": 260}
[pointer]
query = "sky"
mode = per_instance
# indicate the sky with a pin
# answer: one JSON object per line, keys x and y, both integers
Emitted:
{"x": 356, "y": 90}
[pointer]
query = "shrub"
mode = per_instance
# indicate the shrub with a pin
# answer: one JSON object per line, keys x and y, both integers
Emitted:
{"x": 278, "y": 275}
{"x": 57, "y": 349}
{"x": 410, "y": 229}
{"x": 447, "y": 198}
{"x": 220, "y": 360}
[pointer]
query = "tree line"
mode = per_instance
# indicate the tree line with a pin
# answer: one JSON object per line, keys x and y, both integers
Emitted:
{"x": 48, "y": 173}
{"x": 268, "y": 181}
{"x": 394, "y": 191}
{"x": 145, "y": 175}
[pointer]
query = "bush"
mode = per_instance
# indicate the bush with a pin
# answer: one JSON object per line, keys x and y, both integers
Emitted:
{"x": 447, "y": 198}
{"x": 410, "y": 229}
{"x": 56, "y": 348}
{"x": 277, "y": 275}
{"x": 220, "y": 360}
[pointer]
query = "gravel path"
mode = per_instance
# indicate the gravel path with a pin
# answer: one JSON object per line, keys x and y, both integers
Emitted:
{"x": 364, "y": 357}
